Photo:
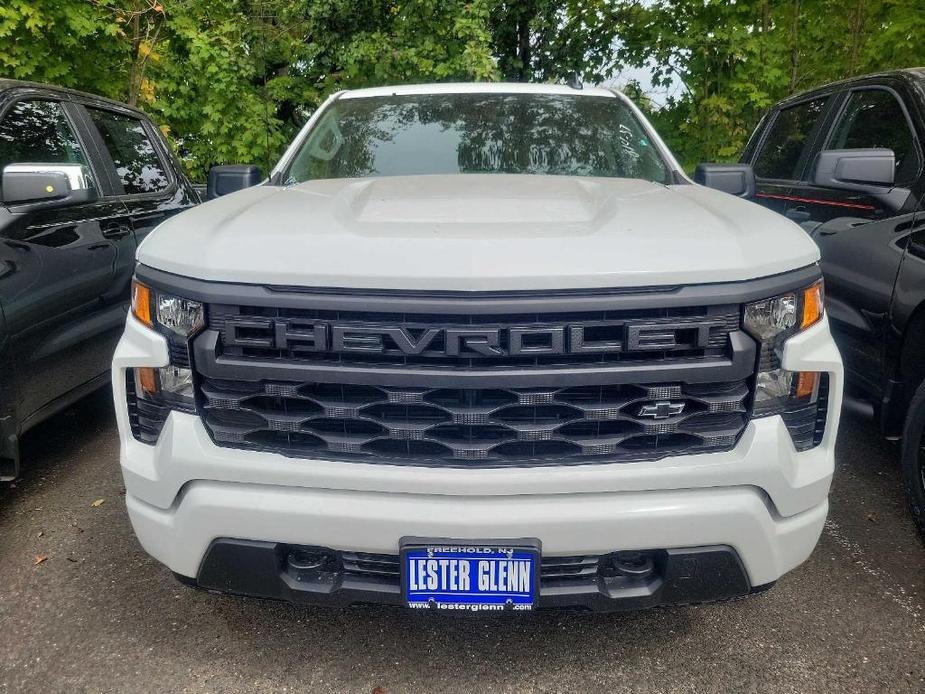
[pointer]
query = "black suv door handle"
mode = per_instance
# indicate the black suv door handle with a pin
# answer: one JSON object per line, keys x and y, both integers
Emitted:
{"x": 116, "y": 231}
{"x": 832, "y": 230}
{"x": 798, "y": 214}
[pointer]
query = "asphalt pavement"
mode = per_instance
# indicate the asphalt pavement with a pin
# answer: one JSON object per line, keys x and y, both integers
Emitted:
{"x": 83, "y": 608}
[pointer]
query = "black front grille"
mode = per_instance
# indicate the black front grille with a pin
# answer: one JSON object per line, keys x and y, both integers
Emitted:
{"x": 475, "y": 380}
{"x": 451, "y": 426}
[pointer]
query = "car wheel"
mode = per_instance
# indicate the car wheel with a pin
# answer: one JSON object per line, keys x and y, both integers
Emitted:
{"x": 913, "y": 457}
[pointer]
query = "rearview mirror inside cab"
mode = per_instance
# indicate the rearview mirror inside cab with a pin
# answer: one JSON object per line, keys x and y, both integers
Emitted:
{"x": 230, "y": 178}
{"x": 48, "y": 185}
{"x": 735, "y": 179}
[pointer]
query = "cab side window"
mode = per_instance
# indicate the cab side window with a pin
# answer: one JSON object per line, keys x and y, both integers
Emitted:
{"x": 138, "y": 165}
{"x": 874, "y": 118}
{"x": 780, "y": 153}
{"x": 38, "y": 132}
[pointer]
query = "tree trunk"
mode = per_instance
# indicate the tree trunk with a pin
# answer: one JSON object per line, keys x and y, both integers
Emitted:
{"x": 134, "y": 73}
{"x": 795, "y": 46}
{"x": 765, "y": 22}
{"x": 858, "y": 20}
{"x": 523, "y": 44}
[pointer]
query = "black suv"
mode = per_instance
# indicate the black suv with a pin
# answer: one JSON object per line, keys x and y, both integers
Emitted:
{"x": 83, "y": 180}
{"x": 846, "y": 161}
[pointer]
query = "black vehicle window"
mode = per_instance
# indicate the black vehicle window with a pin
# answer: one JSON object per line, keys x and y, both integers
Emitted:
{"x": 137, "y": 163}
{"x": 873, "y": 118}
{"x": 780, "y": 154}
{"x": 38, "y": 132}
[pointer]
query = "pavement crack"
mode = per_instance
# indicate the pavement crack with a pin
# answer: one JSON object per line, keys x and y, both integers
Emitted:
{"x": 891, "y": 589}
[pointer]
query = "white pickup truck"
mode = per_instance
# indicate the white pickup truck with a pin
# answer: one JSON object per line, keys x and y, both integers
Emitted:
{"x": 477, "y": 347}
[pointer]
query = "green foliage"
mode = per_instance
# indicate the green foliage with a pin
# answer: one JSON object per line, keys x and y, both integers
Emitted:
{"x": 734, "y": 59}
{"x": 232, "y": 80}
{"x": 69, "y": 42}
{"x": 420, "y": 40}
{"x": 548, "y": 40}
{"x": 236, "y": 78}
{"x": 209, "y": 89}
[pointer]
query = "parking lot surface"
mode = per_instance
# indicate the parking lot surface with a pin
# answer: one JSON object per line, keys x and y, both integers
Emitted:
{"x": 82, "y": 607}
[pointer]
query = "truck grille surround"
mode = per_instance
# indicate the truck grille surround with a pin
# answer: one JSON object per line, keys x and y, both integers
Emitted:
{"x": 498, "y": 386}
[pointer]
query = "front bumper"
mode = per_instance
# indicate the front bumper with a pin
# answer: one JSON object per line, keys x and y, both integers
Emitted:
{"x": 676, "y": 576}
{"x": 763, "y": 500}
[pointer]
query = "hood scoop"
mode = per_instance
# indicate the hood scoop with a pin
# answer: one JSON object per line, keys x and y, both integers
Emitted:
{"x": 476, "y": 200}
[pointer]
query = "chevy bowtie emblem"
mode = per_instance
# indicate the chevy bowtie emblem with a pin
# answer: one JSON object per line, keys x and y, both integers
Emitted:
{"x": 661, "y": 410}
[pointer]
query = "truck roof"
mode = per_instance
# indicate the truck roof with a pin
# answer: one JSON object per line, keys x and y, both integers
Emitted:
{"x": 67, "y": 93}
{"x": 911, "y": 74}
{"x": 476, "y": 88}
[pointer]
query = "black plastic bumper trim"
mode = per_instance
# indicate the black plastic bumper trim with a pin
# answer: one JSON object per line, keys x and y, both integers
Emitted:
{"x": 258, "y": 569}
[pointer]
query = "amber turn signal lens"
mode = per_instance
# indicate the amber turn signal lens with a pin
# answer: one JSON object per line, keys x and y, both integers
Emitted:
{"x": 806, "y": 384}
{"x": 141, "y": 303}
{"x": 812, "y": 305}
{"x": 147, "y": 379}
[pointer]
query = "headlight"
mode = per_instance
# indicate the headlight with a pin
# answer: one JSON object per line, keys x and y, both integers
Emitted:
{"x": 791, "y": 394}
{"x": 154, "y": 392}
{"x": 181, "y": 316}
{"x": 774, "y": 320}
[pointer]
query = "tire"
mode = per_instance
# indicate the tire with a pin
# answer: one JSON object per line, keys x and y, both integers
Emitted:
{"x": 913, "y": 458}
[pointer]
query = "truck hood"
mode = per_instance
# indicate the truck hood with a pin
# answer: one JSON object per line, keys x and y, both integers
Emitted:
{"x": 478, "y": 233}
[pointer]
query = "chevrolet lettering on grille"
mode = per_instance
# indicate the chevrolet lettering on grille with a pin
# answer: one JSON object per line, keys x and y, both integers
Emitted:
{"x": 297, "y": 335}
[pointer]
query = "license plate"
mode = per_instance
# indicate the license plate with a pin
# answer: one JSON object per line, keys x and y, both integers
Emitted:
{"x": 470, "y": 576}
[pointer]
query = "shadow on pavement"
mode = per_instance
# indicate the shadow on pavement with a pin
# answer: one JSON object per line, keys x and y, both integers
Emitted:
{"x": 49, "y": 447}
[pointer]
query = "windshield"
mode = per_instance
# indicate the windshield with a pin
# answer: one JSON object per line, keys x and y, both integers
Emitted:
{"x": 477, "y": 133}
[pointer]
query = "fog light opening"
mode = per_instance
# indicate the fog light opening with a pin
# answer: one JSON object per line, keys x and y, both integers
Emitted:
{"x": 303, "y": 559}
{"x": 629, "y": 564}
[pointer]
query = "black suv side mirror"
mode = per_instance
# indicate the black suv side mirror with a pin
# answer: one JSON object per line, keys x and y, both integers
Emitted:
{"x": 47, "y": 185}
{"x": 864, "y": 170}
{"x": 867, "y": 171}
{"x": 230, "y": 178}
{"x": 735, "y": 179}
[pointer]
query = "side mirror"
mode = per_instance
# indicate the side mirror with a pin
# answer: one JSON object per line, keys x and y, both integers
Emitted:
{"x": 735, "y": 179}
{"x": 868, "y": 171}
{"x": 48, "y": 185}
{"x": 230, "y": 178}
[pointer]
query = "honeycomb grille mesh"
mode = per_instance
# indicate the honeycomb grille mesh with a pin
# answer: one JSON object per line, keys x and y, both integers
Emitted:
{"x": 471, "y": 427}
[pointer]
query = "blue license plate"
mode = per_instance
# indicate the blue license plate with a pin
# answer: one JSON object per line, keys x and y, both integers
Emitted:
{"x": 489, "y": 576}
